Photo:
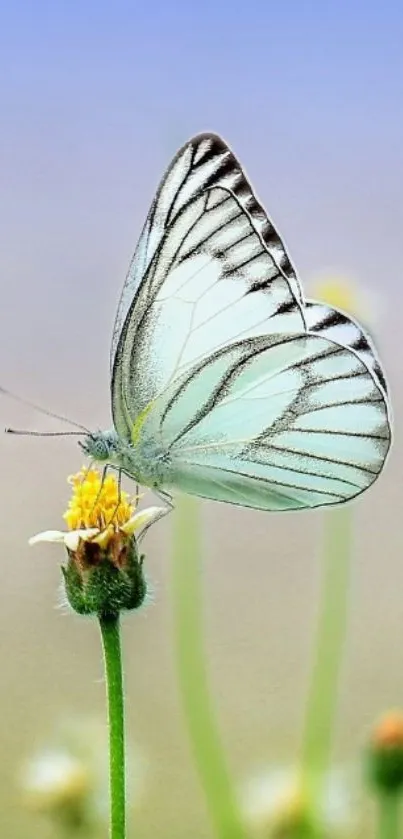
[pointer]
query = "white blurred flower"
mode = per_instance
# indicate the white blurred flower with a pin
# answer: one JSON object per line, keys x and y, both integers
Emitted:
{"x": 275, "y": 805}
{"x": 54, "y": 779}
{"x": 69, "y": 780}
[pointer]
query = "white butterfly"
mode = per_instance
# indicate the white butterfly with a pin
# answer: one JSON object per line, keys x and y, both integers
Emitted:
{"x": 226, "y": 384}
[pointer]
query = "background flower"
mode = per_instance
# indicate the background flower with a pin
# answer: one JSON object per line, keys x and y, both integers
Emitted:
{"x": 67, "y": 782}
{"x": 274, "y": 805}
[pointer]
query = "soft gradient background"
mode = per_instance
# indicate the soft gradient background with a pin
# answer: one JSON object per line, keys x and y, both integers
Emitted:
{"x": 94, "y": 100}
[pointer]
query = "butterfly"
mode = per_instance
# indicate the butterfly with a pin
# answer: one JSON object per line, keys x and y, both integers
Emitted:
{"x": 225, "y": 382}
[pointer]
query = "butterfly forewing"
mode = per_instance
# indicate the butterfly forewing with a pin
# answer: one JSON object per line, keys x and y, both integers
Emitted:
{"x": 203, "y": 163}
{"x": 209, "y": 281}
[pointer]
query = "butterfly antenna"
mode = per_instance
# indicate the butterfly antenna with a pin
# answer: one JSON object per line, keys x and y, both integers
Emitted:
{"x": 27, "y": 433}
{"x": 47, "y": 413}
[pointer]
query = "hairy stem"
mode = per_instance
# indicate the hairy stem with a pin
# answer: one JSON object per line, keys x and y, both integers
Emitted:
{"x": 110, "y": 631}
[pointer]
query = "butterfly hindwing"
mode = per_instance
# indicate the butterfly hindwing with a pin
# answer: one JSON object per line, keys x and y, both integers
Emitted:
{"x": 337, "y": 326}
{"x": 300, "y": 423}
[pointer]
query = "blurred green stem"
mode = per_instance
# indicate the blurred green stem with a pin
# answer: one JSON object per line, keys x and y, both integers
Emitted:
{"x": 323, "y": 691}
{"x": 110, "y": 631}
{"x": 193, "y": 682}
{"x": 389, "y": 813}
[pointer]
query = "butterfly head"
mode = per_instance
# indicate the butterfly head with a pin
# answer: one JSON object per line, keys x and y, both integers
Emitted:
{"x": 100, "y": 445}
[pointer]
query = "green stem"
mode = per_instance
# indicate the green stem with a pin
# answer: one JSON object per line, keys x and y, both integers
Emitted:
{"x": 389, "y": 816}
{"x": 110, "y": 631}
{"x": 193, "y": 682}
{"x": 323, "y": 691}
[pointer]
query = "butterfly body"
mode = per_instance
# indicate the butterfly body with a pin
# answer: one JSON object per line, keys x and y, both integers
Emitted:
{"x": 225, "y": 382}
{"x": 144, "y": 462}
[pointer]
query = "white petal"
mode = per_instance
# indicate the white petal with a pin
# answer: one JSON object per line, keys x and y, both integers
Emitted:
{"x": 72, "y": 538}
{"x": 143, "y": 519}
{"x": 103, "y": 537}
{"x": 47, "y": 536}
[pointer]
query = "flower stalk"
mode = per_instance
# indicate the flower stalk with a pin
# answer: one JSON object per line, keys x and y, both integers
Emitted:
{"x": 323, "y": 690}
{"x": 111, "y": 640}
{"x": 192, "y": 675}
{"x": 389, "y": 815}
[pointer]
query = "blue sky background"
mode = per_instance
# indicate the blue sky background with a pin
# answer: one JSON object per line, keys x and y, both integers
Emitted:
{"x": 96, "y": 97}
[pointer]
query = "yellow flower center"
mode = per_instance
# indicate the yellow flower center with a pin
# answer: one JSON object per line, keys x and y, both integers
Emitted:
{"x": 96, "y": 503}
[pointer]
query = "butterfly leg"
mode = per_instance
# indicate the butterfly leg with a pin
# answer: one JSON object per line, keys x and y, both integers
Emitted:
{"x": 103, "y": 476}
{"x": 104, "y": 472}
{"x": 163, "y": 496}
{"x": 166, "y": 497}
{"x": 119, "y": 471}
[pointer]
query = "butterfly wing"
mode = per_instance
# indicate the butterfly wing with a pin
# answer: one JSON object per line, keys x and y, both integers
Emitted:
{"x": 210, "y": 269}
{"x": 201, "y": 164}
{"x": 300, "y": 423}
{"x": 250, "y": 396}
{"x": 337, "y": 326}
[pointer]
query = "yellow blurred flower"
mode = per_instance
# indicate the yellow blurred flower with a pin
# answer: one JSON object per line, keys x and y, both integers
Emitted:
{"x": 342, "y": 292}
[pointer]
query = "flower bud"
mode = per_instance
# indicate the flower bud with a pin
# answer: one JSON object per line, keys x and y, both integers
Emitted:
{"x": 105, "y": 579}
{"x": 384, "y": 757}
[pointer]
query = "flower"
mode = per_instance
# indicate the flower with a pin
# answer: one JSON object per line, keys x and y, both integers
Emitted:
{"x": 346, "y": 294}
{"x": 97, "y": 510}
{"x": 104, "y": 572}
{"x": 275, "y": 805}
{"x": 67, "y": 780}
{"x": 384, "y": 755}
{"x": 54, "y": 779}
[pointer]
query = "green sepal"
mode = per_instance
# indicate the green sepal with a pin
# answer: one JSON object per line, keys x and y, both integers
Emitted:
{"x": 101, "y": 587}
